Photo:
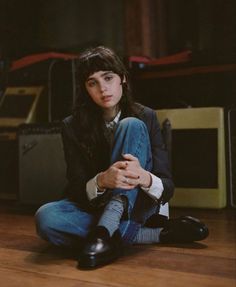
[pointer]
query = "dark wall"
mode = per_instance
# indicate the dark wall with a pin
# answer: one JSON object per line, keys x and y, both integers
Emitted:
{"x": 28, "y": 26}
{"x": 18, "y": 27}
{"x": 159, "y": 27}
{"x": 74, "y": 24}
{"x": 208, "y": 27}
{"x": 165, "y": 26}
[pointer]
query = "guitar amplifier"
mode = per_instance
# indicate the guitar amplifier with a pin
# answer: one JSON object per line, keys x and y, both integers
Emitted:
{"x": 198, "y": 156}
{"x": 42, "y": 168}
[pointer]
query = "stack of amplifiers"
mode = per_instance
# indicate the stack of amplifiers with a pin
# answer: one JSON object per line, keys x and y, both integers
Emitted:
{"x": 18, "y": 105}
{"x": 42, "y": 168}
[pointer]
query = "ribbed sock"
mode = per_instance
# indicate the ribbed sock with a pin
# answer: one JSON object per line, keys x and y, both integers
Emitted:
{"x": 111, "y": 216}
{"x": 147, "y": 235}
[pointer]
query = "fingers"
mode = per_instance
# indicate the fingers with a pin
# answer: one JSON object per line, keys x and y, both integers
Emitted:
{"x": 117, "y": 177}
{"x": 131, "y": 182}
{"x": 129, "y": 156}
{"x": 124, "y": 174}
{"x": 120, "y": 164}
{"x": 122, "y": 171}
{"x": 130, "y": 174}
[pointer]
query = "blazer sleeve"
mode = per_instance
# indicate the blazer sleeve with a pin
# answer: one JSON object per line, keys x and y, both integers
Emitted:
{"x": 77, "y": 167}
{"x": 161, "y": 165}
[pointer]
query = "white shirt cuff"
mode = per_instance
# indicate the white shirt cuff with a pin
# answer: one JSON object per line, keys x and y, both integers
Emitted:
{"x": 156, "y": 188}
{"x": 91, "y": 188}
{"x": 164, "y": 209}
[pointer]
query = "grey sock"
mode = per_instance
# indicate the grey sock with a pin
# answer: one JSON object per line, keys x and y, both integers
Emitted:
{"x": 111, "y": 216}
{"x": 147, "y": 235}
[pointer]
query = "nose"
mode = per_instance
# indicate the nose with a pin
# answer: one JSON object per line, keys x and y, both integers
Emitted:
{"x": 103, "y": 86}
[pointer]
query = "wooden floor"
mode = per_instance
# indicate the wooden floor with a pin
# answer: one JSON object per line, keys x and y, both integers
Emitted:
{"x": 25, "y": 260}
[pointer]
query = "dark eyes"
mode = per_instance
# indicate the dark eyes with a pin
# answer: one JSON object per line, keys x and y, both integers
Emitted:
{"x": 107, "y": 78}
{"x": 91, "y": 83}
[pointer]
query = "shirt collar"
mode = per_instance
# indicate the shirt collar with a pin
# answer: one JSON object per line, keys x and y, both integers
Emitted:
{"x": 114, "y": 121}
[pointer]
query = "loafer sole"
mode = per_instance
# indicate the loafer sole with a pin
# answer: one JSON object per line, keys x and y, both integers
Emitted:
{"x": 93, "y": 261}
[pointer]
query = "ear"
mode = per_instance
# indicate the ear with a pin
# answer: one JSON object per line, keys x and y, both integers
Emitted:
{"x": 124, "y": 79}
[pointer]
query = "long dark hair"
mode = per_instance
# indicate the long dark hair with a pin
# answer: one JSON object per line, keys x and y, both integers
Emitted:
{"x": 89, "y": 121}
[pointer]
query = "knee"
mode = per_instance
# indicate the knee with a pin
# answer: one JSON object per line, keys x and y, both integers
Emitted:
{"x": 44, "y": 221}
{"x": 132, "y": 122}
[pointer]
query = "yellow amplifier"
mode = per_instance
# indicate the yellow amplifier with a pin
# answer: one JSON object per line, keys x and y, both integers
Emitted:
{"x": 198, "y": 157}
{"x": 18, "y": 105}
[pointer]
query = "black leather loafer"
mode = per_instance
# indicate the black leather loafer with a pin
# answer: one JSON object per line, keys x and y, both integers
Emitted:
{"x": 184, "y": 229}
{"x": 100, "y": 248}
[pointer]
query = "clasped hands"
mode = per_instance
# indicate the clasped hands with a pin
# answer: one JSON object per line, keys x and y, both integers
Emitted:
{"x": 125, "y": 174}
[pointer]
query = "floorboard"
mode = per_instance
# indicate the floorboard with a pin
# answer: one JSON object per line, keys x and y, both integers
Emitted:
{"x": 27, "y": 261}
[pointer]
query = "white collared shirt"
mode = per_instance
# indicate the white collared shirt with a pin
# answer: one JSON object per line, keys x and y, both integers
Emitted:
{"x": 114, "y": 121}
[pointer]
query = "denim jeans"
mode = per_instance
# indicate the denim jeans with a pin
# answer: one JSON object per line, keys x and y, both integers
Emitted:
{"x": 63, "y": 222}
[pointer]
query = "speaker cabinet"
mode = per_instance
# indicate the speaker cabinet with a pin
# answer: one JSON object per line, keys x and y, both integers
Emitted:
{"x": 42, "y": 169}
{"x": 198, "y": 158}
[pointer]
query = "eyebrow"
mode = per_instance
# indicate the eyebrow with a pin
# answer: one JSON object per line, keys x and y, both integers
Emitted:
{"x": 103, "y": 74}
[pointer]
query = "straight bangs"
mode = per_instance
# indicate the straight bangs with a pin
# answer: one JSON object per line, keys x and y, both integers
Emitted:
{"x": 96, "y": 64}
{"x": 91, "y": 63}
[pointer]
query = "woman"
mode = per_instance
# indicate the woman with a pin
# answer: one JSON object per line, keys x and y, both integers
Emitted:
{"x": 117, "y": 169}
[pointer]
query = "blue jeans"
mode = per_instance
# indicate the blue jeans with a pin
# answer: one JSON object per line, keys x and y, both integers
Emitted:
{"x": 64, "y": 223}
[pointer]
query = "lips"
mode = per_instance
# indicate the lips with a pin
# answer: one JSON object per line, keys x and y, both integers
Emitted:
{"x": 106, "y": 98}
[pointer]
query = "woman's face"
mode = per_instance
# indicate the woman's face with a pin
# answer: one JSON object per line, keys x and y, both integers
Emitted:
{"x": 105, "y": 89}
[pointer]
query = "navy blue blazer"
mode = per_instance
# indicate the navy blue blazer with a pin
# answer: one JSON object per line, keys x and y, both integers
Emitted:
{"x": 80, "y": 167}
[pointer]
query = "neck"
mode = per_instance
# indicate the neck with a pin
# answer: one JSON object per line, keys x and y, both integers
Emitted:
{"x": 109, "y": 115}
